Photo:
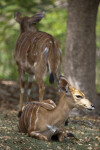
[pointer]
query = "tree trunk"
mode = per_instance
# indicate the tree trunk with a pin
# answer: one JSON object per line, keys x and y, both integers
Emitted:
{"x": 80, "y": 55}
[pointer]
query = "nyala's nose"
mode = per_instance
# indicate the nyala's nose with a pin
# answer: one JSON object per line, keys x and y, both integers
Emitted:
{"x": 92, "y": 106}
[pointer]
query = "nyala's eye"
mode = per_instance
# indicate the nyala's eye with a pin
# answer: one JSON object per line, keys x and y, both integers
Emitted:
{"x": 78, "y": 96}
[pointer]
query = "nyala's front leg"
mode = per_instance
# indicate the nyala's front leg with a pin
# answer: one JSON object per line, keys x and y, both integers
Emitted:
{"x": 37, "y": 135}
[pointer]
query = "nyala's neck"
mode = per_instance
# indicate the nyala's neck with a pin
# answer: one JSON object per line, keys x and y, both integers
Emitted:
{"x": 62, "y": 110}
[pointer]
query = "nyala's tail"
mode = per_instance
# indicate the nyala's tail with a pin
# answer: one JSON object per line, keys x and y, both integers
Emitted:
{"x": 51, "y": 78}
{"x": 54, "y": 61}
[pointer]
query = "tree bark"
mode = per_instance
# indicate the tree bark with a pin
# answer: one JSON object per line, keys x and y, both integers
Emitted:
{"x": 80, "y": 55}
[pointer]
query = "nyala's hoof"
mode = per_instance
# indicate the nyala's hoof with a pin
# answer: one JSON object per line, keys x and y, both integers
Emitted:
{"x": 19, "y": 114}
{"x": 70, "y": 135}
{"x": 65, "y": 139}
{"x": 66, "y": 122}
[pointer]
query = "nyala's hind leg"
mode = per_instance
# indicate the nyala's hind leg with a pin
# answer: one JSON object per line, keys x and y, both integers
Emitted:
{"x": 29, "y": 88}
{"x": 37, "y": 135}
{"x": 22, "y": 86}
{"x": 39, "y": 72}
{"x": 41, "y": 88}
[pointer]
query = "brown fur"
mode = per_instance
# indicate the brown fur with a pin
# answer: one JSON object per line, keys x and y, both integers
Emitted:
{"x": 39, "y": 121}
{"x": 36, "y": 53}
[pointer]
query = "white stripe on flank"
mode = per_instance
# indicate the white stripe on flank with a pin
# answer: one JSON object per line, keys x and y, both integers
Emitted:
{"x": 36, "y": 117}
{"x": 52, "y": 102}
{"x": 26, "y": 61}
{"x": 31, "y": 116}
{"x": 21, "y": 46}
{"x": 43, "y": 42}
{"x": 25, "y": 107}
{"x": 28, "y": 111}
{"x": 25, "y": 117}
{"x": 49, "y": 105}
{"x": 33, "y": 39}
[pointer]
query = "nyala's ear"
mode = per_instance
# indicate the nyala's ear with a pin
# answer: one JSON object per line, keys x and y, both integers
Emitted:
{"x": 18, "y": 17}
{"x": 36, "y": 18}
{"x": 63, "y": 84}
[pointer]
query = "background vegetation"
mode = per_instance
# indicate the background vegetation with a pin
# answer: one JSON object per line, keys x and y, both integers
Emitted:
{"x": 54, "y": 23}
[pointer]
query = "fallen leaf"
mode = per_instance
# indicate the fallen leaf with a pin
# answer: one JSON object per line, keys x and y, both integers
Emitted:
{"x": 89, "y": 148}
{"x": 8, "y": 148}
{"x": 58, "y": 147}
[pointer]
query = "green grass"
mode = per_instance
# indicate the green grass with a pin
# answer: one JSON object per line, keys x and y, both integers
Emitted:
{"x": 87, "y": 138}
